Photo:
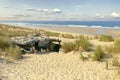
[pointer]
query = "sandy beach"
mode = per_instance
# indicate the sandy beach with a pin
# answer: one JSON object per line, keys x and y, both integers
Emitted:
{"x": 56, "y": 66}
{"x": 59, "y": 39}
{"x": 60, "y": 66}
{"x": 84, "y": 30}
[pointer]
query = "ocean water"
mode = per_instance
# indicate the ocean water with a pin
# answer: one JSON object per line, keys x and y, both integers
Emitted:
{"x": 93, "y": 24}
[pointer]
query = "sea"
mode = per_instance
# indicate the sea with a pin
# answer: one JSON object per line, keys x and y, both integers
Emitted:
{"x": 90, "y": 24}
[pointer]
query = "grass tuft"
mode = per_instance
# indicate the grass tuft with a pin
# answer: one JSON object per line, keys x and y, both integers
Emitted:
{"x": 13, "y": 53}
{"x": 69, "y": 36}
{"x": 99, "y": 53}
{"x": 106, "y": 38}
{"x": 114, "y": 48}
{"x": 55, "y": 34}
{"x": 4, "y": 42}
{"x": 82, "y": 44}
{"x": 68, "y": 46}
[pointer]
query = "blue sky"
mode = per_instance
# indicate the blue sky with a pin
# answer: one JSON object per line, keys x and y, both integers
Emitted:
{"x": 83, "y": 10}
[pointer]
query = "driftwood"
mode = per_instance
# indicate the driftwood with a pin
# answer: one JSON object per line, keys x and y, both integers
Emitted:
{"x": 33, "y": 44}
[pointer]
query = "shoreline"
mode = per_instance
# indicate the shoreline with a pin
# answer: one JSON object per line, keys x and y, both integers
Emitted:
{"x": 83, "y": 30}
{"x": 75, "y": 30}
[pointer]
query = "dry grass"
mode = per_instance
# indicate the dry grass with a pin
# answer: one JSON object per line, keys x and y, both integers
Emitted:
{"x": 13, "y": 53}
{"x": 99, "y": 53}
{"x": 106, "y": 38}
{"x": 68, "y": 36}
{"x": 4, "y": 42}
{"x": 114, "y": 49}
{"x": 68, "y": 46}
{"x": 55, "y": 34}
{"x": 82, "y": 44}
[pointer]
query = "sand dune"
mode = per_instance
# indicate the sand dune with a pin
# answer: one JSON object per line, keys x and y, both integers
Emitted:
{"x": 59, "y": 66}
{"x": 55, "y": 66}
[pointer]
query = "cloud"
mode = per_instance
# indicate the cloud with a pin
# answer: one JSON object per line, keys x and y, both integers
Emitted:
{"x": 42, "y": 10}
{"x": 22, "y": 15}
{"x": 57, "y": 10}
{"x": 115, "y": 15}
{"x": 30, "y": 9}
{"x": 47, "y": 11}
{"x": 37, "y": 10}
{"x": 100, "y": 16}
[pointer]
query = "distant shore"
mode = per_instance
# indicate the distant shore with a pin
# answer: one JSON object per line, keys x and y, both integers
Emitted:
{"x": 76, "y": 30}
{"x": 84, "y": 30}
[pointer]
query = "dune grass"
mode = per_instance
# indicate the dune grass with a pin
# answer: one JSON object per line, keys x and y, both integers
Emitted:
{"x": 99, "y": 53}
{"x": 68, "y": 36}
{"x": 55, "y": 34}
{"x": 80, "y": 44}
{"x": 106, "y": 38}
{"x": 3, "y": 33}
{"x": 14, "y": 31}
{"x": 4, "y": 42}
{"x": 13, "y": 53}
{"x": 68, "y": 46}
{"x": 114, "y": 48}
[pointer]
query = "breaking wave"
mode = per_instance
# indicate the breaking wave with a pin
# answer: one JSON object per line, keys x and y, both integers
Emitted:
{"x": 37, "y": 24}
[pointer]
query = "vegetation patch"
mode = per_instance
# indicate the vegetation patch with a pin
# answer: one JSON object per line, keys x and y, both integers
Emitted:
{"x": 69, "y": 36}
{"x": 68, "y": 46}
{"x": 106, "y": 38}
{"x": 4, "y": 42}
{"x": 13, "y": 53}
{"x": 99, "y": 53}
{"x": 114, "y": 48}
{"x": 82, "y": 44}
{"x": 51, "y": 33}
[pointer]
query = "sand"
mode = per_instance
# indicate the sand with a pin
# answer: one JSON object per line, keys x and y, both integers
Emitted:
{"x": 61, "y": 66}
{"x": 84, "y": 30}
{"x": 56, "y": 66}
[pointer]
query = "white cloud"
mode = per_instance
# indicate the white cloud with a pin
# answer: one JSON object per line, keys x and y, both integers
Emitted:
{"x": 30, "y": 9}
{"x": 57, "y": 10}
{"x": 115, "y": 14}
{"x": 100, "y": 16}
{"x": 42, "y": 10}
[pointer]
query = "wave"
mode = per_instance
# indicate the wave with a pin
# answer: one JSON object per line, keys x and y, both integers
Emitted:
{"x": 28, "y": 24}
{"x": 87, "y": 26}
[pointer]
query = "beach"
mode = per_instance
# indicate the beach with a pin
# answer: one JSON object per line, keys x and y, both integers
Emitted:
{"x": 84, "y": 30}
{"x": 59, "y": 39}
{"x": 61, "y": 66}
{"x": 56, "y": 66}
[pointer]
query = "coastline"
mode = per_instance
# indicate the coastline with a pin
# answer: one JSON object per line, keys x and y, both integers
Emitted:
{"x": 84, "y": 30}
{"x": 60, "y": 66}
{"x": 75, "y": 30}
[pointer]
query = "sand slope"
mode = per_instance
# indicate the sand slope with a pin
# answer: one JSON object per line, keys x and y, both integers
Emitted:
{"x": 55, "y": 66}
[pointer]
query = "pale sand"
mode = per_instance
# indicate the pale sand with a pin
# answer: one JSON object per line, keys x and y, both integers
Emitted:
{"x": 56, "y": 66}
{"x": 84, "y": 30}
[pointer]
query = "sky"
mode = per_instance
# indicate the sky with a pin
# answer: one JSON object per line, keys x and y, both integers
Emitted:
{"x": 82, "y": 10}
